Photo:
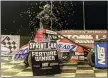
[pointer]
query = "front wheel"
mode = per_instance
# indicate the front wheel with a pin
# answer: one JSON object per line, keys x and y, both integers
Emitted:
{"x": 29, "y": 60}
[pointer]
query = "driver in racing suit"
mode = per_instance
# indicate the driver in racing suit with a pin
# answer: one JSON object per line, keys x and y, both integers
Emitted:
{"x": 42, "y": 20}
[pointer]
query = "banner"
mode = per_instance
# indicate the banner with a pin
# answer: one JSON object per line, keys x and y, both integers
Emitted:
{"x": 86, "y": 37}
{"x": 101, "y": 54}
{"x": 9, "y": 44}
{"x": 44, "y": 56}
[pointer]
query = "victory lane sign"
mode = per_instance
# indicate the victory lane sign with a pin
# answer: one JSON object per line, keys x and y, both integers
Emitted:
{"x": 44, "y": 58}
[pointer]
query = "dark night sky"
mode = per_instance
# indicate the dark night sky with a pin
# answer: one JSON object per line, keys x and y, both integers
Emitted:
{"x": 15, "y": 15}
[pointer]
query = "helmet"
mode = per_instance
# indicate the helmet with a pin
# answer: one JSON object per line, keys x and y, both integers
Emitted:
{"x": 47, "y": 6}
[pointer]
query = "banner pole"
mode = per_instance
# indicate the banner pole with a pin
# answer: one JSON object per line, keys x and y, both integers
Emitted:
{"x": 83, "y": 16}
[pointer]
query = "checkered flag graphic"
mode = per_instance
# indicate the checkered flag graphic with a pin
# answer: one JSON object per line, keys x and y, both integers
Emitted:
{"x": 7, "y": 42}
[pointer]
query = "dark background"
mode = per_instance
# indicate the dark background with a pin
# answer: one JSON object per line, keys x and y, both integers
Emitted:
{"x": 15, "y": 15}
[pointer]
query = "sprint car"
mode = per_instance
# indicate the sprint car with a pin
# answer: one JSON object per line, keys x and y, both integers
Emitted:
{"x": 67, "y": 49}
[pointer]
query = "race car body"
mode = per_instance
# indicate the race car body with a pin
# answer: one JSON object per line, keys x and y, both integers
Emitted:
{"x": 22, "y": 53}
{"x": 63, "y": 44}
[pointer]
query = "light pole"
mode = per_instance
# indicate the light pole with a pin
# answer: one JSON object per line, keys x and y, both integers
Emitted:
{"x": 83, "y": 16}
{"x": 51, "y": 17}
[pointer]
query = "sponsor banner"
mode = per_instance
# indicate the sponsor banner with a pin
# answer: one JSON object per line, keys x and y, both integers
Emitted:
{"x": 11, "y": 42}
{"x": 86, "y": 37}
{"x": 101, "y": 54}
{"x": 67, "y": 32}
{"x": 44, "y": 57}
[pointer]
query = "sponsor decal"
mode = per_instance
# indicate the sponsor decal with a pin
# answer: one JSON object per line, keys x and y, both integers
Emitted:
{"x": 65, "y": 46}
{"x": 44, "y": 56}
{"x": 43, "y": 45}
{"x": 74, "y": 59}
{"x": 52, "y": 37}
{"x": 85, "y": 41}
{"x": 83, "y": 32}
{"x": 22, "y": 53}
{"x": 84, "y": 37}
{"x": 101, "y": 55}
{"x": 79, "y": 36}
{"x": 50, "y": 32}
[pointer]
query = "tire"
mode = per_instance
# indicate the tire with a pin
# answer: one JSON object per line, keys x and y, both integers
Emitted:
{"x": 91, "y": 58}
{"x": 29, "y": 60}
